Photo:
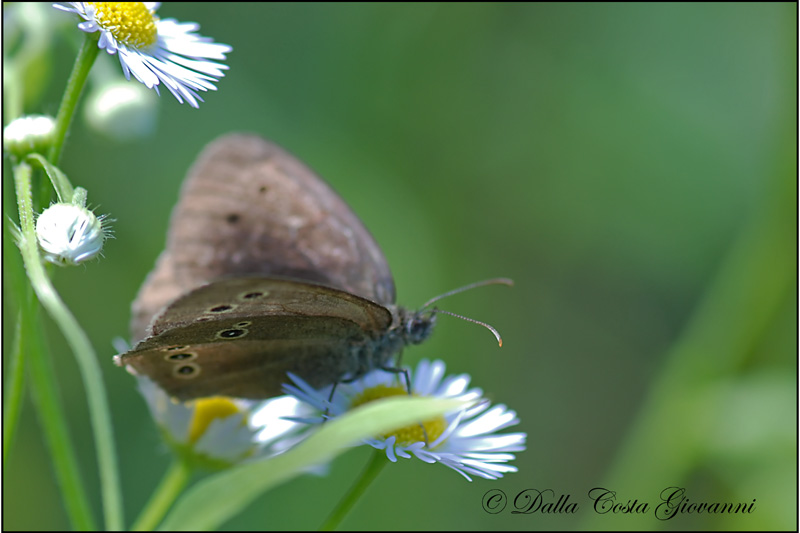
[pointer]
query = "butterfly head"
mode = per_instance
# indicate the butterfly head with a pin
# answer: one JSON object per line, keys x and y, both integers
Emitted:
{"x": 411, "y": 327}
{"x": 416, "y": 326}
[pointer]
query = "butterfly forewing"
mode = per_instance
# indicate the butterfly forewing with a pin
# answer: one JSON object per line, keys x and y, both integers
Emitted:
{"x": 249, "y": 207}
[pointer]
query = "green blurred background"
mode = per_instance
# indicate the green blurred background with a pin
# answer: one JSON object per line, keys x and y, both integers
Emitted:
{"x": 631, "y": 166}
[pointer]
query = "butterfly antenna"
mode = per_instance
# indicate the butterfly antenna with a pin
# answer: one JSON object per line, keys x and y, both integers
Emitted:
{"x": 484, "y": 324}
{"x": 493, "y": 281}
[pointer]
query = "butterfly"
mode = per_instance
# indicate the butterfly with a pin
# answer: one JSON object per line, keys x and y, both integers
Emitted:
{"x": 266, "y": 271}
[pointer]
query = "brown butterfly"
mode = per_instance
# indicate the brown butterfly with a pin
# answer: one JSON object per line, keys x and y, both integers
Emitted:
{"x": 266, "y": 271}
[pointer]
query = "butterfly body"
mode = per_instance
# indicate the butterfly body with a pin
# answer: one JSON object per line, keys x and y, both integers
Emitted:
{"x": 266, "y": 271}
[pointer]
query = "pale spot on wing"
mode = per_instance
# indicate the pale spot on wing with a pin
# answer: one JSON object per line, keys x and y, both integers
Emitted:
{"x": 232, "y": 333}
{"x": 252, "y": 295}
{"x": 186, "y": 371}
{"x": 180, "y": 357}
{"x": 221, "y": 308}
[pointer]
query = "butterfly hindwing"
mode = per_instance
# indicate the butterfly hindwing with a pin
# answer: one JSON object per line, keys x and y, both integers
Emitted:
{"x": 240, "y": 336}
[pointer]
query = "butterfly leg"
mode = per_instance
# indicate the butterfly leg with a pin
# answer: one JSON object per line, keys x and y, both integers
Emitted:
{"x": 333, "y": 391}
{"x": 407, "y": 379}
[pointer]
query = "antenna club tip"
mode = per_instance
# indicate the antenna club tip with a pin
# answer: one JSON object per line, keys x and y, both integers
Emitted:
{"x": 500, "y": 343}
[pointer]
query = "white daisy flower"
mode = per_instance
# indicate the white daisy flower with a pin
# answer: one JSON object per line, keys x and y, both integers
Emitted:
{"x": 69, "y": 234}
{"x": 155, "y": 50}
{"x": 218, "y": 431}
{"x": 464, "y": 440}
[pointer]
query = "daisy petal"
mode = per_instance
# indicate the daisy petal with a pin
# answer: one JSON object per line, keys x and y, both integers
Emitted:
{"x": 465, "y": 440}
{"x": 156, "y": 51}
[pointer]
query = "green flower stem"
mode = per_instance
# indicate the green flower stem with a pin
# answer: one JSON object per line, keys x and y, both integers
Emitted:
{"x": 75, "y": 84}
{"x": 52, "y": 419}
{"x": 18, "y": 289}
{"x": 345, "y": 505}
{"x": 168, "y": 490}
{"x": 14, "y": 389}
{"x": 81, "y": 347}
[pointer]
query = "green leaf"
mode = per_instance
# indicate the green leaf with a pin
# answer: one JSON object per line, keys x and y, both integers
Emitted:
{"x": 217, "y": 499}
{"x": 60, "y": 182}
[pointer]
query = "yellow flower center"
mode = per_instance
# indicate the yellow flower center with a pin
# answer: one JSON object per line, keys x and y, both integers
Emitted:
{"x": 206, "y": 410}
{"x": 410, "y": 434}
{"x": 131, "y": 23}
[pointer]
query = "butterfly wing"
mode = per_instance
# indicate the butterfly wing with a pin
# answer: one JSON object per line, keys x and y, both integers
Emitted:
{"x": 279, "y": 326}
{"x": 249, "y": 207}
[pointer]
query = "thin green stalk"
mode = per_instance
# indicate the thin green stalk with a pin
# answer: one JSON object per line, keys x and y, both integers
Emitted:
{"x": 14, "y": 389}
{"x": 72, "y": 93}
{"x": 81, "y": 347}
{"x": 52, "y": 419}
{"x": 17, "y": 289}
{"x": 168, "y": 490}
{"x": 345, "y": 505}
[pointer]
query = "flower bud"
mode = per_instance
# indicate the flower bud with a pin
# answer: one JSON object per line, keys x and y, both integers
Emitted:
{"x": 122, "y": 110}
{"x": 29, "y": 134}
{"x": 69, "y": 234}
